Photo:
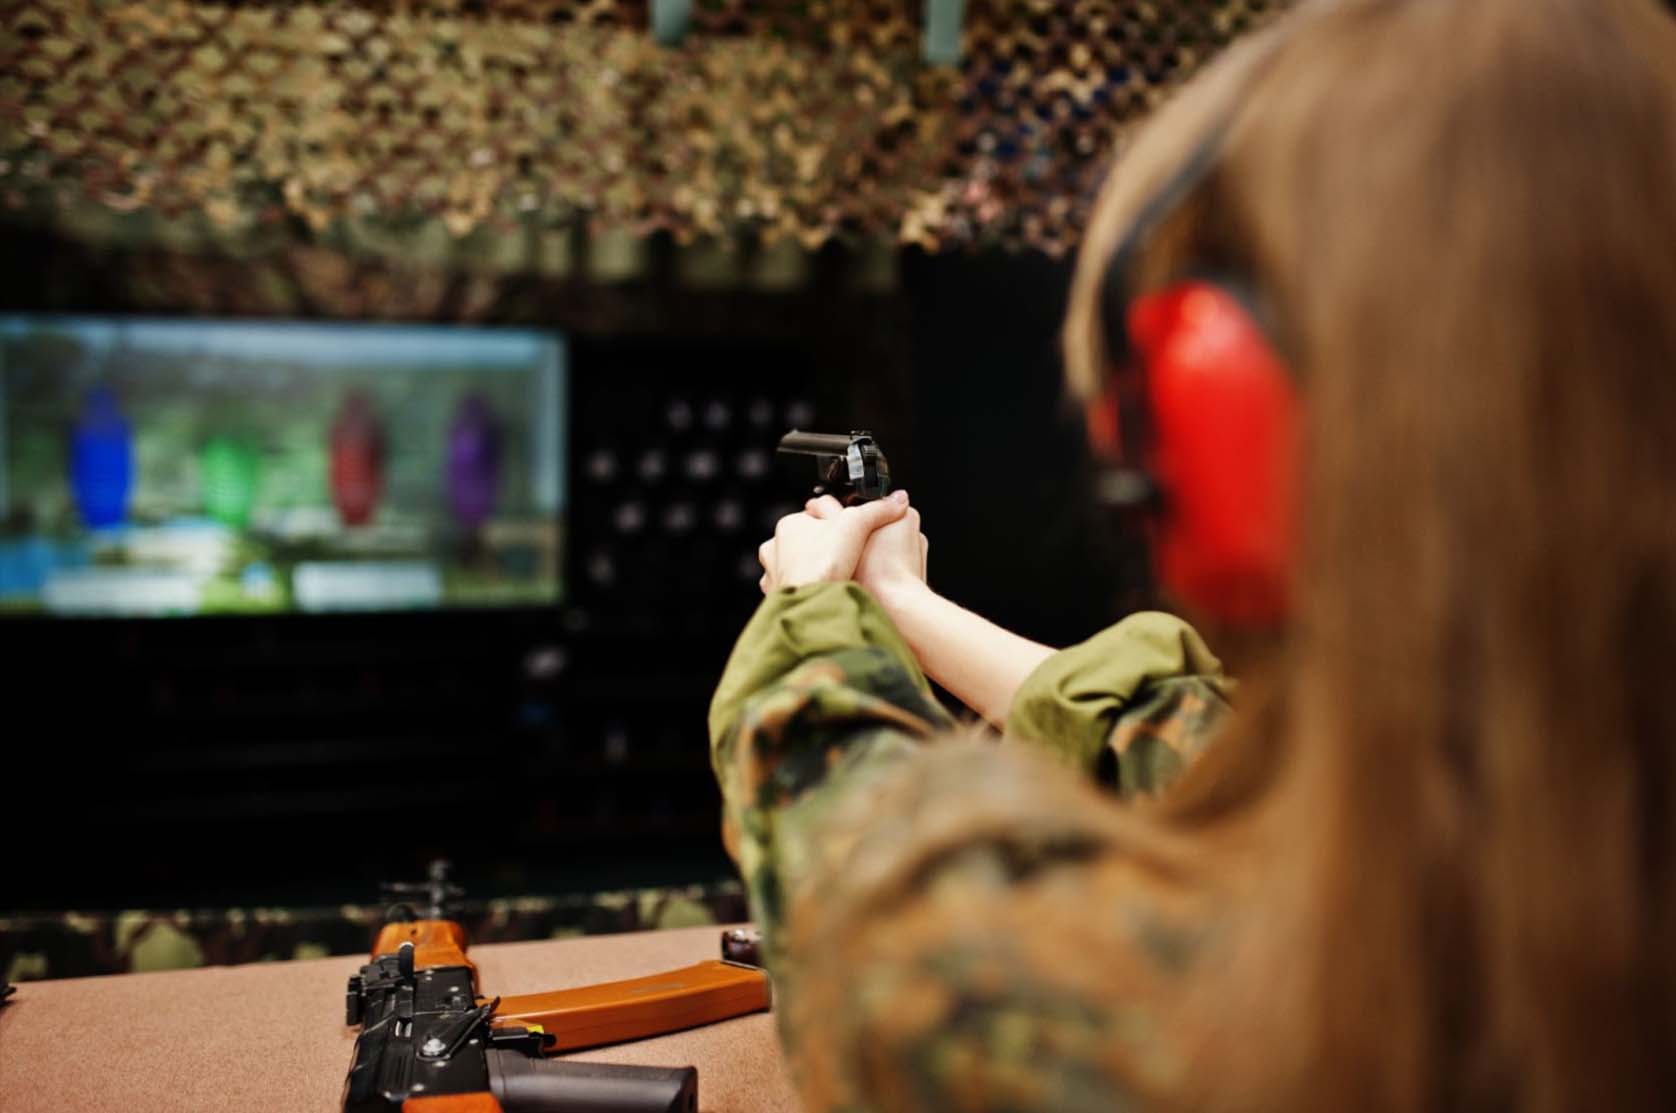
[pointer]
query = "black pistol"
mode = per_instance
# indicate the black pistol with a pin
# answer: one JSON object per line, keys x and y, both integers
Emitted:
{"x": 849, "y": 466}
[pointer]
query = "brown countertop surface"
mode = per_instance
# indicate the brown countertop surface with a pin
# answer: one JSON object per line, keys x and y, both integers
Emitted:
{"x": 270, "y": 1036}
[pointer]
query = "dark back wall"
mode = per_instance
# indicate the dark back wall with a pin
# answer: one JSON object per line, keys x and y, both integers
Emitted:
{"x": 302, "y": 759}
{"x": 1001, "y": 464}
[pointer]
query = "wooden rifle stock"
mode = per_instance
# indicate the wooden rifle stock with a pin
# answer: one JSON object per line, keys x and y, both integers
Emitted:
{"x": 638, "y": 1007}
{"x": 608, "y": 1012}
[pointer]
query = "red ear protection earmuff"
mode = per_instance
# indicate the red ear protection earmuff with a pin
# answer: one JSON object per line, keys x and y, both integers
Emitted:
{"x": 1220, "y": 445}
{"x": 1200, "y": 423}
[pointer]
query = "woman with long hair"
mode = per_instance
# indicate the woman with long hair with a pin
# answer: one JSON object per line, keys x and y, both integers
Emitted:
{"x": 1430, "y": 860}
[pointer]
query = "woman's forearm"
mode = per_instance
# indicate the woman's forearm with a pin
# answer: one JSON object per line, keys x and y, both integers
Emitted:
{"x": 978, "y": 661}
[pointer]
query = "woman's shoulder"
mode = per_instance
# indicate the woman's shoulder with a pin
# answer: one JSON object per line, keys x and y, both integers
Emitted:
{"x": 992, "y": 920}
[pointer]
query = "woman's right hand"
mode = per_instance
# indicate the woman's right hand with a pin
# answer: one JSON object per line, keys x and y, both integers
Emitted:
{"x": 893, "y": 563}
{"x": 976, "y": 660}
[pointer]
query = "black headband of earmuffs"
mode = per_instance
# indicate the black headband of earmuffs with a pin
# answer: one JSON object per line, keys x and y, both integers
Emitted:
{"x": 1117, "y": 288}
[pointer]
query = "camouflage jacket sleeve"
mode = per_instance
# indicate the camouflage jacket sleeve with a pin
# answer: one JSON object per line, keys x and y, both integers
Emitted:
{"x": 1133, "y": 705}
{"x": 951, "y": 921}
{"x": 820, "y": 693}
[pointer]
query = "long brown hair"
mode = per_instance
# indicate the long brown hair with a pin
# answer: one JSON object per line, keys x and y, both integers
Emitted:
{"x": 1454, "y": 823}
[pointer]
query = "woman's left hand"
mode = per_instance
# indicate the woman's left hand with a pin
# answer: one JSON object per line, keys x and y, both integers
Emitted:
{"x": 824, "y": 542}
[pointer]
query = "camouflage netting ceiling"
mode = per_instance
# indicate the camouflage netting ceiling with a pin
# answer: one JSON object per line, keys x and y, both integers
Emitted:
{"x": 382, "y": 124}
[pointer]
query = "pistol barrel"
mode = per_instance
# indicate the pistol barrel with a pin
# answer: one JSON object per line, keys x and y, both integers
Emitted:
{"x": 816, "y": 444}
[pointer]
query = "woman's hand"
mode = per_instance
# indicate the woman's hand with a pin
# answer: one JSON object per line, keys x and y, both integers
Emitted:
{"x": 824, "y": 542}
{"x": 982, "y": 664}
{"x": 893, "y": 561}
{"x": 892, "y": 565}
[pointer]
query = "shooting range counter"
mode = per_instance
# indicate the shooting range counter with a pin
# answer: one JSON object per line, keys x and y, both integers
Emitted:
{"x": 271, "y": 1035}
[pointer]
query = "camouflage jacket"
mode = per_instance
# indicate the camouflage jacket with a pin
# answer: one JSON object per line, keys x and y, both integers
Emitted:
{"x": 953, "y": 921}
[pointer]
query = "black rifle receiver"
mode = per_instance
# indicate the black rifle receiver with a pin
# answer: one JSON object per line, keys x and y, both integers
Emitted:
{"x": 425, "y": 1034}
{"x": 850, "y": 467}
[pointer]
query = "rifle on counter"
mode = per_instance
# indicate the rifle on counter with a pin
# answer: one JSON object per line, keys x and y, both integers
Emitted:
{"x": 431, "y": 1043}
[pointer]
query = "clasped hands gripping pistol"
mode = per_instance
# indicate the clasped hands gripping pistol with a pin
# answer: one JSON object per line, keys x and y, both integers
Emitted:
{"x": 431, "y": 1043}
